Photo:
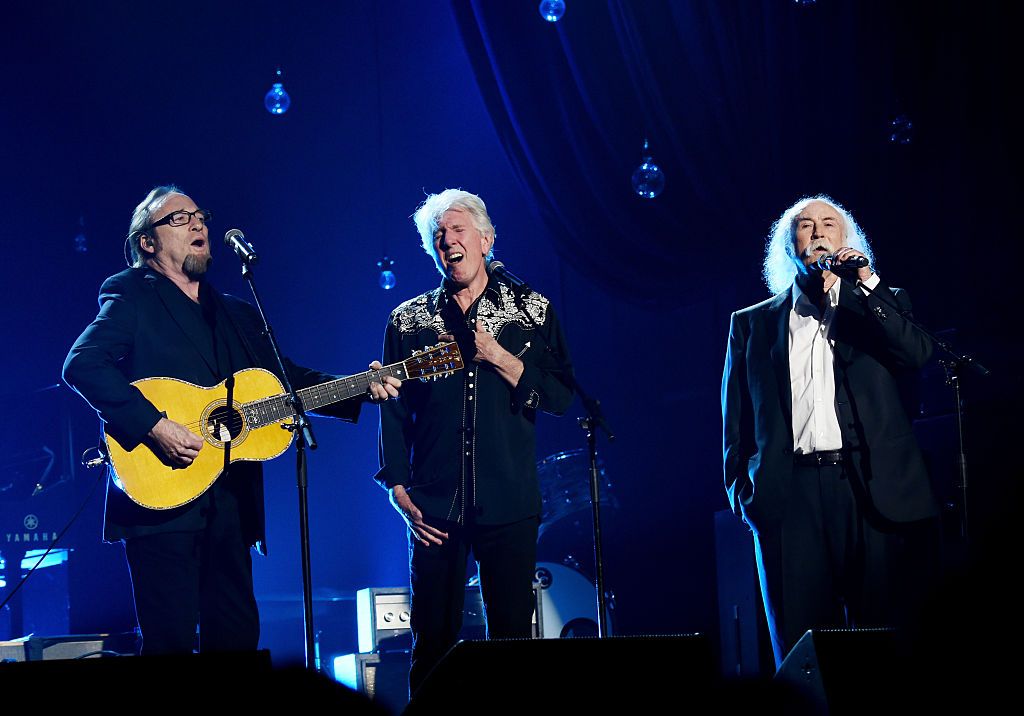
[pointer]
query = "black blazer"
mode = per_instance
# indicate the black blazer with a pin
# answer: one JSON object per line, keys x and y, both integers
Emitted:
{"x": 145, "y": 329}
{"x": 876, "y": 350}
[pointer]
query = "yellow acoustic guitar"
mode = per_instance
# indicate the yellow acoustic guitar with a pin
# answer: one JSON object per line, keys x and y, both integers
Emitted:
{"x": 251, "y": 429}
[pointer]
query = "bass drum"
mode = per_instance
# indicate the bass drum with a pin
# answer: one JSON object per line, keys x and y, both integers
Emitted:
{"x": 568, "y": 602}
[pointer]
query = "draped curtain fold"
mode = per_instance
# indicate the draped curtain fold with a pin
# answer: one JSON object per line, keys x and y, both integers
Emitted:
{"x": 747, "y": 106}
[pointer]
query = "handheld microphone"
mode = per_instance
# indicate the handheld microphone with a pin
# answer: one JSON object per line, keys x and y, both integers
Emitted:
{"x": 827, "y": 263}
{"x": 236, "y": 240}
{"x": 497, "y": 268}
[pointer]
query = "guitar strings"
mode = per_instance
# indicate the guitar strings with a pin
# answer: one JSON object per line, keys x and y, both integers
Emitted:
{"x": 271, "y": 405}
{"x": 236, "y": 421}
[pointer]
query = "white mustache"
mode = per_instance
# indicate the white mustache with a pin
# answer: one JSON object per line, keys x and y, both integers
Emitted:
{"x": 819, "y": 244}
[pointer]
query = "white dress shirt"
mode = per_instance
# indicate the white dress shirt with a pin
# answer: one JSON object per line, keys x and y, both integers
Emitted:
{"x": 812, "y": 377}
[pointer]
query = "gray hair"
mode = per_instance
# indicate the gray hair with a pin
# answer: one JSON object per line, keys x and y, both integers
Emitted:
{"x": 143, "y": 217}
{"x": 779, "y": 261}
{"x": 428, "y": 216}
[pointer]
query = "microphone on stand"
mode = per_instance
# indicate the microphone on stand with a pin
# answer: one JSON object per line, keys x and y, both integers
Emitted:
{"x": 235, "y": 239}
{"x": 827, "y": 263}
{"x": 497, "y": 268}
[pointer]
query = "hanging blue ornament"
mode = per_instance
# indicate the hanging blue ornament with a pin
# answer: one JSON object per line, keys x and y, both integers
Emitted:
{"x": 552, "y": 10}
{"x": 901, "y": 130}
{"x": 387, "y": 278}
{"x": 277, "y": 100}
{"x": 81, "y": 243}
{"x": 648, "y": 179}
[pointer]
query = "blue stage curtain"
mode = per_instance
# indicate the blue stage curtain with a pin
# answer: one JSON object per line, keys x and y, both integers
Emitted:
{"x": 747, "y": 105}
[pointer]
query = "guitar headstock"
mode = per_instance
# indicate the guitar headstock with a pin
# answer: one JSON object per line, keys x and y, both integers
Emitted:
{"x": 434, "y": 362}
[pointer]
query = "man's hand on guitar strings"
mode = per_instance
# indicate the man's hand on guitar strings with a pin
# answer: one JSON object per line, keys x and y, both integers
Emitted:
{"x": 178, "y": 443}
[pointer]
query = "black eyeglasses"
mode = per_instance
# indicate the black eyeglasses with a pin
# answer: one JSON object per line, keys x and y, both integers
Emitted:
{"x": 181, "y": 218}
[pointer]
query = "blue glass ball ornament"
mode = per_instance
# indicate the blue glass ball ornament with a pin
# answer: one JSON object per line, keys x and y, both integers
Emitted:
{"x": 277, "y": 100}
{"x": 81, "y": 242}
{"x": 387, "y": 278}
{"x": 648, "y": 179}
{"x": 901, "y": 130}
{"x": 552, "y": 10}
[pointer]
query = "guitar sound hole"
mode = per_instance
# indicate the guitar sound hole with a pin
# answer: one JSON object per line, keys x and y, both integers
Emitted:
{"x": 224, "y": 424}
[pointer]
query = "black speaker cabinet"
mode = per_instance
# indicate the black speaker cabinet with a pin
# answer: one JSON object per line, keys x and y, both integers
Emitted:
{"x": 841, "y": 671}
{"x": 648, "y": 673}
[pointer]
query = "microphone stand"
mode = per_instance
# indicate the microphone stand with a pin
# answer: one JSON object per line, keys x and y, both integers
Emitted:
{"x": 593, "y": 420}
{"x": 304, "y": 437}
{"x": 955, "y": 365}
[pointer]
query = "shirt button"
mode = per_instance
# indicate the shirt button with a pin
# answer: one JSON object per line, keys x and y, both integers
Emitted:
{"x": 470, "y": 385}
{"x": 470, "y": 374}
{"x": 471, "y": 397}
{"x": 467, "y": 452}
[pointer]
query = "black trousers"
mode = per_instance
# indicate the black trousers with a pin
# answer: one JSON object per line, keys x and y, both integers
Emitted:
{"x": 184, "y": 579}
{"x": 832, "y": 562}
{"x": 506, "y": 556}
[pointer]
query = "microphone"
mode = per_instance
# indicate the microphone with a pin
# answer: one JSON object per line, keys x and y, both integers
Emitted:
{"x": 825, "y": 263}
{"x": 497, "y": 268}
{"x": 236, "y": 240}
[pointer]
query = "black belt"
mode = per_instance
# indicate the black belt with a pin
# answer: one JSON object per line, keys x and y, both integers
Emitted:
{"x": 817, "y": 459}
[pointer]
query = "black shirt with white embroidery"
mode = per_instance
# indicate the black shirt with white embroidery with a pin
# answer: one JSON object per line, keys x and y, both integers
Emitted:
{"x": 464, "y": 446}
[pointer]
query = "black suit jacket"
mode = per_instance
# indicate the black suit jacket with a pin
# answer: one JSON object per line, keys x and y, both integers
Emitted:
{"x": 145, "y": 329}
{"x": 875, "y": 351}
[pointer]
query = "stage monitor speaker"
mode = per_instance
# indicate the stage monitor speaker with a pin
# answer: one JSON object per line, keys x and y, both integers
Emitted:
{"x": 646, "y": 673}
{"x": 840, "y": 671}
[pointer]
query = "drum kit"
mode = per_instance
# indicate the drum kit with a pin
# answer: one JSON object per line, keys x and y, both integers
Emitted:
{"x": 565, "y": 545}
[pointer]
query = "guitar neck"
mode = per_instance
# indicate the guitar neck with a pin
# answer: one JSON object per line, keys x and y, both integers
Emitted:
{"x": 277, "y": 407}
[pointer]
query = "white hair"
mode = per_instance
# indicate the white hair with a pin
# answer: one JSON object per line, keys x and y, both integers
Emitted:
{"x": 428, "y": 216}
{"x": 779, "y": 260}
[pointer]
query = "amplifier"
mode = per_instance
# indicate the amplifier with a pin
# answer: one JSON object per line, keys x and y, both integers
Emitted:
{"x": 382, "y": 615}
{"x": 383, "y": 678}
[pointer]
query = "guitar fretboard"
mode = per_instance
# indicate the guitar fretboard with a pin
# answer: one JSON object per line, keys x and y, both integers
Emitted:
{"x": 278, "y": 407}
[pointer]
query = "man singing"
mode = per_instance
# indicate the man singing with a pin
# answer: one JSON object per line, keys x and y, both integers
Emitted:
{"x": 190, "y": 565}
{"x": 820, "y": 460}
{"x": 458, "y": 454}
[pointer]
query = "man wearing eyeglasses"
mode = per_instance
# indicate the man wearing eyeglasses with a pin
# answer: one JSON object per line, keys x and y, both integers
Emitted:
{"x": 161, "y": 318}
